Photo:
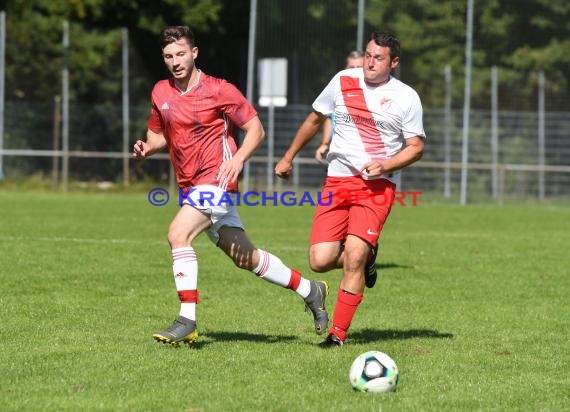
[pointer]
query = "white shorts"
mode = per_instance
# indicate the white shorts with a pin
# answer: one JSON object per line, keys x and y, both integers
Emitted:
{"x": 218, "y": 204}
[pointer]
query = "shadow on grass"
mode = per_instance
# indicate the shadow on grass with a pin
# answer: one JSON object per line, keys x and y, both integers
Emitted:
{"x": 226, "y": 337}
{"x": 249, "y": 337}
{"x": 213, "y": 337}
{"x": 392, "y": 265}
{"x": 373, "y": 335}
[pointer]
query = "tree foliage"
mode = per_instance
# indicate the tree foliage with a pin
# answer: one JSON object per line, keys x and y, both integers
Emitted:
{"x": 35, "y": 53}
{"x": 520, "y": 38}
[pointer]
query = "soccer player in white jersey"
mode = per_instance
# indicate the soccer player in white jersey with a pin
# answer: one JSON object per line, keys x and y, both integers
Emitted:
{"x": 378, "y": 131}
{"x": 192, "y": 116}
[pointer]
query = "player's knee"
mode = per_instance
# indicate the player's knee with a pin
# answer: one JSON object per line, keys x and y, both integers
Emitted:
{"x": 354, "y": 263}
{"x": 171, "y": 237}
{"x": 355, "y": 255}
{"x": 319, "y": 264}
{"x": 175, "y": 238}
{"x": 324, "y": 259}
{"x": 242, "y": 257}
{"x": 243, "y": 263}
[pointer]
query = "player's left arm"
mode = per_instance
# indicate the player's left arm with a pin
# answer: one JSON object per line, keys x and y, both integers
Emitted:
{"x": 411, "y": 153}
{"x": 253, "y": 138}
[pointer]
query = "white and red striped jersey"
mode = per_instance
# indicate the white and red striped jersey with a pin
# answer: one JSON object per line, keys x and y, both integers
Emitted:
{"x": 371, "y": 122}
{"x": 197, "y": 125}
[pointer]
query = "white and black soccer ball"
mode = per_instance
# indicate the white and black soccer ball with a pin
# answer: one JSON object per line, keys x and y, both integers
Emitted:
{"x": 374, "y": 371}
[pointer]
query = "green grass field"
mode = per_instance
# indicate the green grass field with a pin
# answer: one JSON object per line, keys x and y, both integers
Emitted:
{"x": 473, "y": 303}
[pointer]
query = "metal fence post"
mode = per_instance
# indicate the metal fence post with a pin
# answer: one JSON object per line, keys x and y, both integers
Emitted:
{"x": 56, "y": 137}
{"x": 466, "y": 103}
{"x": 126, "y": 124}
{"x": 2, "y": 83}
{"x": 501, "y": 184}
{"x": 494, "y": 130}
{"x": 541, "y": 135}
{"x": 65, "y": 107}
{"x": 447, "y": 133}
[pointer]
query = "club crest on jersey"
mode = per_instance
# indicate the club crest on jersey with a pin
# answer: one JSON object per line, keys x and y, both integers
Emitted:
{"x": 385, "y": 103}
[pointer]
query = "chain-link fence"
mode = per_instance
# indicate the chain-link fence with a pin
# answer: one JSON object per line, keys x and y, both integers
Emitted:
{"x": 516, "y": 168}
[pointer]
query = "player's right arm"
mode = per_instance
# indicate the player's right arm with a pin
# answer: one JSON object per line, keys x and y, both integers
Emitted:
{"x": 306, "y": 132}
{"x": 155, "y": 142}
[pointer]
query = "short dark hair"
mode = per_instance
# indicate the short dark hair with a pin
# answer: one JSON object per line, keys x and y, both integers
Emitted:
{"x": 172, "y": 34}
{"x": 386, "y": 39}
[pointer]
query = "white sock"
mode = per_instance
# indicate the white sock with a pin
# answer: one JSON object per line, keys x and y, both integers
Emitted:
{"x": 272, "y": 269}
{"x": 185, "y": 270}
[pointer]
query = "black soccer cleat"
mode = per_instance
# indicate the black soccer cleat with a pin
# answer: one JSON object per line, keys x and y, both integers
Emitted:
{"x": 315, "y": 303}
{"x": 332, "y": 341}
{"x": 370, "y": 272}
{"x": 182, "y": 330}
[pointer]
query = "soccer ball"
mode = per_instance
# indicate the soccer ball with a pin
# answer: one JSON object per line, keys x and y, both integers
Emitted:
{"x": 373, "y": 371}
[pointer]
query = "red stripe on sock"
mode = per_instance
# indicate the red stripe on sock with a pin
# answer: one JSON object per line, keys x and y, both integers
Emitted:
{"x": 184, "y": 255}
{"x": 189, "y": 296}
{"x": 344, "y": 311}
{"x": 263, "y": 265}
{"x": 295, "y": 280}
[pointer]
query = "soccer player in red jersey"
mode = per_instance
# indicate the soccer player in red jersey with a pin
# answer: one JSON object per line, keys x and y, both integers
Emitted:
{"x": 192, "y": 115}
{"x": 378, "y": 130}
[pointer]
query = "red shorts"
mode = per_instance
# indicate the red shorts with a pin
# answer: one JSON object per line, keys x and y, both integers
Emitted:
{"x": 352, "y": 206}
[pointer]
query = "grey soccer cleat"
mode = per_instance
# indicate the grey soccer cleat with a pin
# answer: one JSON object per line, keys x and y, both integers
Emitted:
{"x": 315, "y": 303}
{"x": 370, "y": 272}
{"x": 182, "y": 330}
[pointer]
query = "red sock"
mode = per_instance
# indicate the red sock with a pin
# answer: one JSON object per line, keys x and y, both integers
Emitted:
{"x": 344, "y": 311}
{"x": 294, "y": 281}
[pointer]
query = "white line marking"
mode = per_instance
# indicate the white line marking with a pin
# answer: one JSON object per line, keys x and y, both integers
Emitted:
{"x": 77, "y": 240}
